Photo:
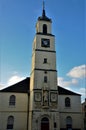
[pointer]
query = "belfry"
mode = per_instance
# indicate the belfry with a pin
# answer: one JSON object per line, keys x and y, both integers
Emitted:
{"x": 43, "y": 109}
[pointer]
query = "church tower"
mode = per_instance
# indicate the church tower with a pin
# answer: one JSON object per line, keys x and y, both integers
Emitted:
{"x": 43, "y": 110}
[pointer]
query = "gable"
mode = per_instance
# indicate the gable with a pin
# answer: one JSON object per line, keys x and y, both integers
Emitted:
{"x": 24, "y": 87}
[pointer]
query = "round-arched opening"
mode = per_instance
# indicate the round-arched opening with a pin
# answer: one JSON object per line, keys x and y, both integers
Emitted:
{"x": 44, "y": 29}
{"x": 45, "y": 123}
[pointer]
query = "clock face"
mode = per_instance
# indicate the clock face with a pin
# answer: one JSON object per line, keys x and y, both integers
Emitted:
{"x": 45, "y": 43}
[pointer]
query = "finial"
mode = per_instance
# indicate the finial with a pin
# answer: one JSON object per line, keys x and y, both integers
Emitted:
{"x": 43, "y": 12}
{"x": 43, "y": 5}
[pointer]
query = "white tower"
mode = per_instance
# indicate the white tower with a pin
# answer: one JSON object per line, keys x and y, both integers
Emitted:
{"x": 43, "y": 112}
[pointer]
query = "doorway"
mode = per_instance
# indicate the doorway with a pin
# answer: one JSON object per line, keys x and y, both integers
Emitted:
{"x": 45, "y": 123}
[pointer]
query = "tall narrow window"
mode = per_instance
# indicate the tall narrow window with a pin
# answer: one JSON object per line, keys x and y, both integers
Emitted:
{"x": 12, "y": 100}
{"x": 10, "y": 123}
{"x": 45, "y": 79}
{"x": 44, "y": 29}
{"x": 55, "y": 125}
{"x": 85, "y": 108}
{"x": 85, "y": 114}
{"x": 69, "y": 123}
{"x": 67, "y": 102}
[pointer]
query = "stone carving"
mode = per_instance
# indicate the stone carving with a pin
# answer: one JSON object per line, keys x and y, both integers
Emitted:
{"x": 53, "y": 97}
{"x": 38, "y": 96}
{"x": 45, "y": 98}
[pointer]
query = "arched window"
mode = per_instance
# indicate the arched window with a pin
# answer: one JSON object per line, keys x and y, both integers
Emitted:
{"x": 67, "y": 102}
{"x": 12, "y": 100}
{"x": 10, "y": 123}
{"x": 69, "y": 123}
{"x": 44, "y": 29}
{"x": 45, "y": 123}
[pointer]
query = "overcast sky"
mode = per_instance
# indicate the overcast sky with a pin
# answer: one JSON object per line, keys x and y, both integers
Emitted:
{"x": 17, "y": 30}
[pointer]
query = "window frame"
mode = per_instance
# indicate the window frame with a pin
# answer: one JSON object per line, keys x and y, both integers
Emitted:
{"x": 67, "y": 102}
{"x": 12, "y": 100}
{"x": 45, "y": 60}
{"x": 44, "y": 29}
{"x": 45, "y": 79}
{"x": 69, "y": 123}
{"x": 10, "y": 122}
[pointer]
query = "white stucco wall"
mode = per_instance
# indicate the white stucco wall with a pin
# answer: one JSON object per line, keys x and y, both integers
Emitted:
{"x": 75, "y": 102}
{"x": 74, "y": 111}
{"x": 19, "y": 111}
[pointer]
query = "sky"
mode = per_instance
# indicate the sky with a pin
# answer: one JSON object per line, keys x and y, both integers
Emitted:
{"x": 17, "y": 30}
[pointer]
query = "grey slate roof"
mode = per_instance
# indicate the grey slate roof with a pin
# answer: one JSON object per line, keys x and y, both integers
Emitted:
{"x": 63, "y": 91}
{"x": 24, "y": 87}
{"x": 20, "y": 87}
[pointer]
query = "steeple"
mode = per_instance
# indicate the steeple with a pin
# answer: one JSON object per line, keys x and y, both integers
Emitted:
{"x": 44, "y": 17}
{"x": 43, "y": 11}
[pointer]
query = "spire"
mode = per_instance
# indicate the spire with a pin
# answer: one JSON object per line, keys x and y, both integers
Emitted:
{"x": 43, "y": 5}
{"x": 43, "y": 11}
{"x": 44, "y": 17}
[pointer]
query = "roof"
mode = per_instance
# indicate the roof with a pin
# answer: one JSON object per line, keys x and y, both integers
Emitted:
{"x": 20, "y": 87}
{"x": 44, "y": 17}
{"x": 63, "y": 91}
{"x": 24, "y": 87}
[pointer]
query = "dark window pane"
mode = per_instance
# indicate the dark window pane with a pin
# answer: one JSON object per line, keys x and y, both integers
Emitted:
{"x": 45, "y": 79}
{"x": 67, "y": 102}
{"x": 44, "y": 29}
{"x": 10, "y": 122}
{"x": 54, "y": 124}
{"x": 12, "y": 100}
{"x": 9, "y": 126}
{"x": 45, "y": 60}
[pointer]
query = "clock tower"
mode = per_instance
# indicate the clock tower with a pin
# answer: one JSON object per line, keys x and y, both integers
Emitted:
{"x": 43, "y": 109}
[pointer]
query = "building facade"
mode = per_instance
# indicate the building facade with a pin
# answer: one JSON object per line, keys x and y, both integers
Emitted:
{"x": 84, "y": 113}
{"x": 38, "y": 103}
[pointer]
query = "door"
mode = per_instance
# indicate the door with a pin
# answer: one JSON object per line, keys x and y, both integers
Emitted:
{"x": 45, "y": 123}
